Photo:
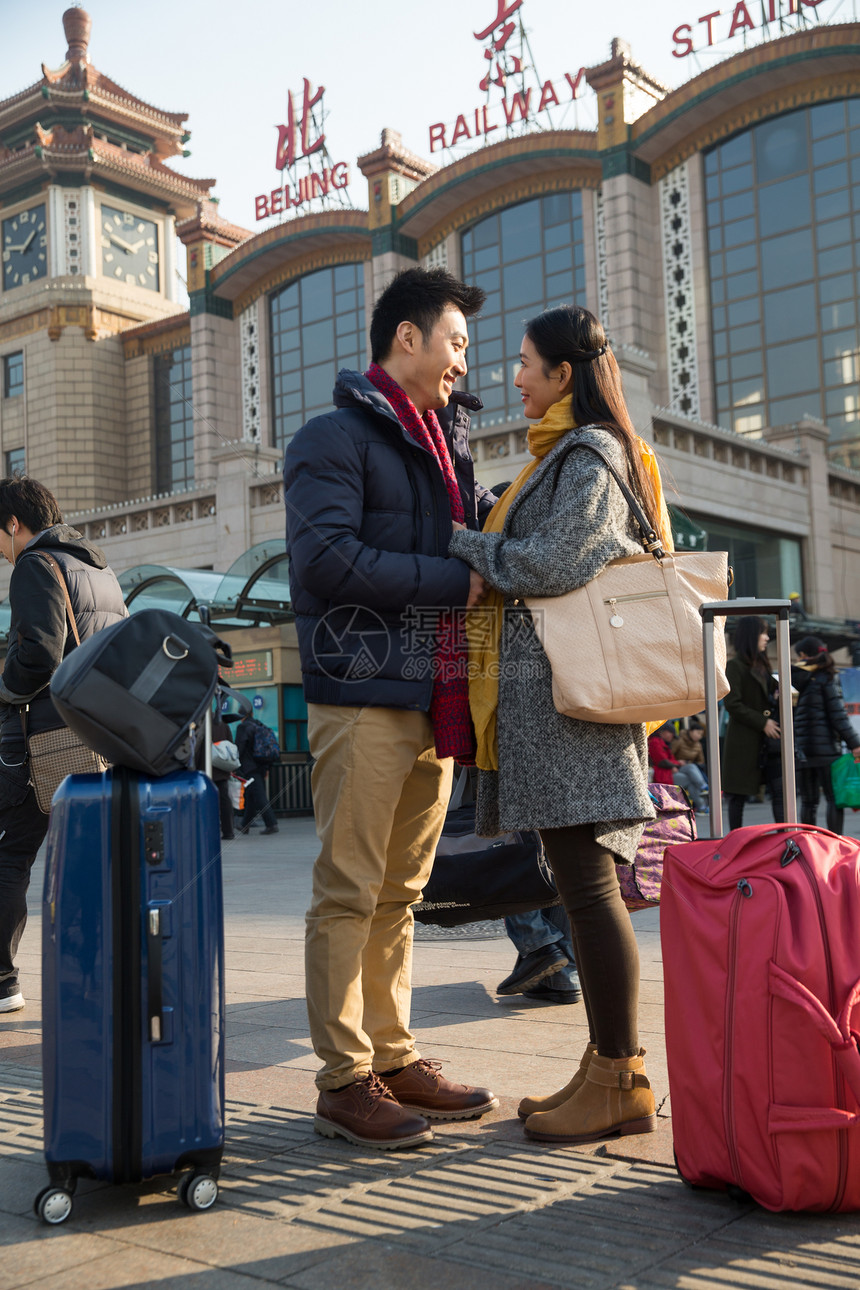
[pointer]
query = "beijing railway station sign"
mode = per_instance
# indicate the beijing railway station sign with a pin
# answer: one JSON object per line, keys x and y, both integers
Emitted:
{"x": 302, "y": 157}
{"x": 515, "y": 98}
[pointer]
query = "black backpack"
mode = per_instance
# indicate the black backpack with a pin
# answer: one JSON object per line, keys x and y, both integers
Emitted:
{"x": 138, "y": 692}
{"x": 265, "y": 748}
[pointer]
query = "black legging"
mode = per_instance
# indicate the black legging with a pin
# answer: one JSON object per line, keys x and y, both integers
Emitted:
{"x": 813, "y": 781}
{"x": 607, "y": 955}
{"x": 773, "y": 783}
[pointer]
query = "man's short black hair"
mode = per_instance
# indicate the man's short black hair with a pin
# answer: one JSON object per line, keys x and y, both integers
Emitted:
{"x": 419, "y": 296}
{"x": 32, "y": 504}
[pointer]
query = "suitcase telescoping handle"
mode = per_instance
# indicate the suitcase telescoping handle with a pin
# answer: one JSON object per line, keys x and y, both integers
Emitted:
{"x": 737, "y": 608}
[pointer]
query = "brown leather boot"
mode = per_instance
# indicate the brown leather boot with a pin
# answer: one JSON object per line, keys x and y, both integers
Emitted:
{"x": 614, "y": 1098}
{"x": 422, "y": 1087}
{"x": 529, "y": 1105}
{"x": 366, "y": 1113}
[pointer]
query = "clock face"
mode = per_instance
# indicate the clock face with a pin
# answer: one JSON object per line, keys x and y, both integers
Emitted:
{"x": 129, "y": 248}
{"x": 25, "y": 247}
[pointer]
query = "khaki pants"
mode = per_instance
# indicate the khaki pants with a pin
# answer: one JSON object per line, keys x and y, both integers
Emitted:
{"x": 380, "y": 797}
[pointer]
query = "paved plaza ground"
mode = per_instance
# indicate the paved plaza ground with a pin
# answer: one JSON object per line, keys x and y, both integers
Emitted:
{"x": 480, "y": 1207}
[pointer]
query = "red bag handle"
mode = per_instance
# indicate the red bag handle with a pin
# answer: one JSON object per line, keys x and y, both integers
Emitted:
{"x": 837, "y": 1031}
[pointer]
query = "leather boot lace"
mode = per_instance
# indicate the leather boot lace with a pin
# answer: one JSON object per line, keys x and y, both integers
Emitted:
{"x": 428, "y": 1067}
{"x": 371, "y": 1089}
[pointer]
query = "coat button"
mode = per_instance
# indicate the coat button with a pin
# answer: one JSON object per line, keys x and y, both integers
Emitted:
{"x": 426, "y": 512}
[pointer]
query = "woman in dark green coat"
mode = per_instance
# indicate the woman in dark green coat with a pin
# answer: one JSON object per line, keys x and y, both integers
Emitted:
{"x": 749, "y": 756}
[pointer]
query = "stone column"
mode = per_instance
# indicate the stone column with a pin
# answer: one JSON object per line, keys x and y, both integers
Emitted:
{"x": 391, "y": 172}
{"x": 238, "y": 465}
{"x": 810, "y": 438}
{"x": 633, "y": 289}
{"x": 215, "y": 391}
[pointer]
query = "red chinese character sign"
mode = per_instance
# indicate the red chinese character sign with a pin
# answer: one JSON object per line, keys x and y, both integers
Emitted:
{"x": 516, "y": 99}
{"x": 500, "y": 31}
{"x": 299, "y": 151}
{"x": 287, "y": 153}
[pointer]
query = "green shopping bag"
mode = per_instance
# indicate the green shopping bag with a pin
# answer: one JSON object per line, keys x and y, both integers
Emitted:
{"x": 845, "y": 777}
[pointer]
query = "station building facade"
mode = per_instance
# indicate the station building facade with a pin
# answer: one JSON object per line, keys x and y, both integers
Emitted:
{"x": 714, "y": 228}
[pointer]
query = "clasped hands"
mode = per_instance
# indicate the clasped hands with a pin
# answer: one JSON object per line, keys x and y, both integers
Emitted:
{"x": 478, "y": 588}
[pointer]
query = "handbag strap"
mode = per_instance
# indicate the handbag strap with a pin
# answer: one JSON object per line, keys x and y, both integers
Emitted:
{"x": 25, "y": 708}
{"x": 43, "y": 555}
{"x": 650, "y": 539}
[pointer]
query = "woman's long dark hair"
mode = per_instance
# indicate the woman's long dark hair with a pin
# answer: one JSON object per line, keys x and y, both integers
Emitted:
{"x": 745, "y": 642}
{"x": 570, "y": 334}
{"x": 817, "y": 652}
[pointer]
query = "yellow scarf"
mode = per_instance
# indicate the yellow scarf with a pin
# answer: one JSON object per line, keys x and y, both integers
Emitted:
{"x": 484, "y": 624}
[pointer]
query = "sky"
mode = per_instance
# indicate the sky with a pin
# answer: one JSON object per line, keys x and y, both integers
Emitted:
{"x": 387, "y": 63}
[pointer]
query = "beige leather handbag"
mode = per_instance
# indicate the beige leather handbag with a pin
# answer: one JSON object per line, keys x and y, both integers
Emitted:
{"x": 627, "y": 646}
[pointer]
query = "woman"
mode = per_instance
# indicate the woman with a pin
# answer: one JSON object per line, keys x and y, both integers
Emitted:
{"x": 820, "y": 726}
{"x": 583, "y": 785}
{"x": 751, "y": 754}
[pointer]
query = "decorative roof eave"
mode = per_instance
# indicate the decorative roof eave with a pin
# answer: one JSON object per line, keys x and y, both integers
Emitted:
{"x": 755, "y": 83}
{"x": 78, "y": 151}
{"x": 468, "y": 180}
{"x": 207, "y": 225}
{"x": 393, "y": 156}
{"x": 269, "y": 251}
{"x": 76, "y": 81}
{"x": 102, "y": 98}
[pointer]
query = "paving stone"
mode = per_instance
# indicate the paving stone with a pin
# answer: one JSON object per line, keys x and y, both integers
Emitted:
{"x": 827, "y": 1236}
{"x": 719, "y": 1265}
{"x": 222, "y": 1237}
{"x": 378, "y": 1266}
{"x": 128, "y": 1265}
{"x": 31, "y": 1253}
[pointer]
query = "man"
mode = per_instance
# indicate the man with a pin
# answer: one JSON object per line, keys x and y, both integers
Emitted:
{"x": 252, "y": 769}
{"x": 372, "y": 492}
{"x": 31, "y": 529}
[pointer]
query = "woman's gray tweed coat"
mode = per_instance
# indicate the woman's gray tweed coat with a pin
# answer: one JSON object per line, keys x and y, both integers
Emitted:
{"x": 565, "y": 525}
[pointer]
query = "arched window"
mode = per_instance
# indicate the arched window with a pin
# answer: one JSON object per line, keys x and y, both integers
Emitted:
{"x": 783, "y": 203}
{"x": 527, "y": 258}
{"x": 317, "y": 327}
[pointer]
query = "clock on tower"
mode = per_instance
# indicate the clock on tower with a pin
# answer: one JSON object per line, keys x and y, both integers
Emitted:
{"x": 25, "y": 247}
{"x": 129, "y": 248}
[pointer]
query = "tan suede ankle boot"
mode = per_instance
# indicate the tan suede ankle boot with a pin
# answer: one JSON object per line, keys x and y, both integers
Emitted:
{"x": 614, "y": 1098}
{"x": 529, "y": 1105}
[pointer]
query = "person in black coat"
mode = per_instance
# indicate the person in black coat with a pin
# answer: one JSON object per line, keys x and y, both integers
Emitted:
{"x": 373, "y": 492}
{"x": 254, "y": 772}
{"x": 820, "y": 726}
{"x": 33, "y": 538}
{"x": 751, "y": 753}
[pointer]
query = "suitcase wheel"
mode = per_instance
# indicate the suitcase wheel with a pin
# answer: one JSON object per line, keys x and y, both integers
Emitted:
{"x": 53, "y": 1205}
{"x": 198, "y": 1191}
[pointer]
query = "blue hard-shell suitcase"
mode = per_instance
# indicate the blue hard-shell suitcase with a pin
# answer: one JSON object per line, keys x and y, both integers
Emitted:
{"x": 133, "y": 985}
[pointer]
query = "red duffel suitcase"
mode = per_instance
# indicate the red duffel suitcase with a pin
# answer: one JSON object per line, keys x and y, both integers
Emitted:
{"x": 760, "y": 933}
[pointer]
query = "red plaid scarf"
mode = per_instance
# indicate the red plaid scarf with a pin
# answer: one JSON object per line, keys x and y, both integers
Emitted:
{"x": 449, "y": 704}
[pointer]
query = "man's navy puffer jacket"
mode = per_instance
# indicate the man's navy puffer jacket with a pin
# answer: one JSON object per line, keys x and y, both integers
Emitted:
{"x": 368, "y": 527}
